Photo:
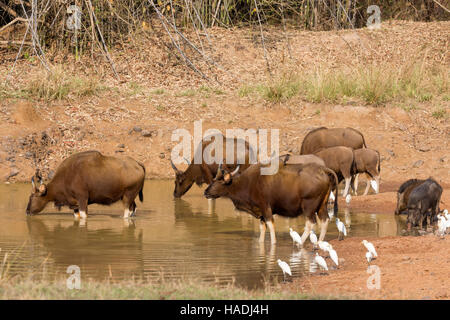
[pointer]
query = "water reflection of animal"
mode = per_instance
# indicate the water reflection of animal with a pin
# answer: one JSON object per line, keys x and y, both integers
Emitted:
{"x": 97, "y": 251}
{"x": 90, "y": 177}
{"x": 290, "y": 192}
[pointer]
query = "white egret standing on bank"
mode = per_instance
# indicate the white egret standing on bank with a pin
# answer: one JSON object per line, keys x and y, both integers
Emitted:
{"x": 321, "y": 262}
{"x": 369, "y": 246}
{"x": 285, "y": 267}
{"x": 333, "y": 256}
{"x": 323, "y": 245}
{"x": 341, "y": 228}
{"x": 369, "y": 257}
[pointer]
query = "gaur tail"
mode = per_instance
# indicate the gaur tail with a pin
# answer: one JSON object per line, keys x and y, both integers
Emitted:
{"x": 379, "y": 162}
{"x": 364, "y": 140}
{"x": 334, "y": 187}
{"x": 141, "y": 194}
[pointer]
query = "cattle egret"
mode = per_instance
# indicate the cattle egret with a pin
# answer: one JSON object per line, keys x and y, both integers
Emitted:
{"x": 341, "y": 227}
{"x": 369, "y": 246}
{"x": 348, "y": 198}
{"x": 442, "y": 225}
{"x": 285, "y": 267}
{"x": 321, "y": 262}
{"x": 332, "y": 197}
{"x": 334, "y": 256}
{"x": 374, "y": 185}
{"x": 323, "y": 245}
{"x": 369, "y": 257}
{"x": 295, "y": 237}
{"x": 313, "y": 238}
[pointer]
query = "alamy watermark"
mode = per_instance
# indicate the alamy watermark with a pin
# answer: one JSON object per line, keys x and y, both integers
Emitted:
{"x": 74, "y": 280}
{"x": 213, "y": 152}
{"x": 374, "y": 280}
{"x": 374, "y": 20}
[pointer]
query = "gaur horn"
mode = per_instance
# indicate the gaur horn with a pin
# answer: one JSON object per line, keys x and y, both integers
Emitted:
{"x": 219, "y": 172}
{"x": 173, "y": 166}
{"x": 235, "y": 171}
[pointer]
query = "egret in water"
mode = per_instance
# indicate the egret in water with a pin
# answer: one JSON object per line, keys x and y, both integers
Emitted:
{"x": 341, "y": 227}
{"x": 369, "y": 246}
{"x": 369, "y": 257}
{"x": 285, "y": 267}
{"x": 313, "y": 238}
{"x": 295, "y": 237}
{"x": 348, "y": 198}
{"x": 333, "y": 256}
{"x": 374, "y": 185}
{"x": 321, "y": 262}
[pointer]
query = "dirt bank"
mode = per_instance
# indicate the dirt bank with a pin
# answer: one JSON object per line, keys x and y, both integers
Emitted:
{"x": 410, "y": 268}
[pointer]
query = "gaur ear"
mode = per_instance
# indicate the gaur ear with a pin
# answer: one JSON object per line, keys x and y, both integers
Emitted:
{"x": 227, "y": 178}
{"x": 42, "y": 190}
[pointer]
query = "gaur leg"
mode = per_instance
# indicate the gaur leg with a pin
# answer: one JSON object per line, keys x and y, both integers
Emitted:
{"x": 308, "y": 227}
{"x": 347, "y": 185}
{"x": 76, "y": 213}
{"x": 133, "y": 209}
{"x": 270, "y": 224}
{"x": 262, "y": 230}
{"x": 323, "y": 217}
{"x": 126, "y": 204}
{"x": 83, "y": 207}
{"x": 367, "y": 184}
{"x": 355, "y": 183}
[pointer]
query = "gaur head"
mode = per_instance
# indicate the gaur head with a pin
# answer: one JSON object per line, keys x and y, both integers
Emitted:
{"x": 183, "y": 181}
{"x": 37, "y": 200}
{"x": 220, "y": 184}
{"x": 414, "y": 215}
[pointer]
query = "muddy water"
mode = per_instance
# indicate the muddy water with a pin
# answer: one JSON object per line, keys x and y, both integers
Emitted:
{"x": 169, "y": 238}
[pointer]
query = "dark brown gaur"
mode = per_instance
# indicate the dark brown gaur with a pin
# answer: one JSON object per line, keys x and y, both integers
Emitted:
{"x": 423, "y": 203}
{"x": 90, "y": 177}
{"x": 294, "y": 190}
{"x": 204, "y": 173}
{"x": 323, "y": 137}
{"x": 340, "y": 160}
{"x": 403, "y": 193}
{"x": 367, "y": 161}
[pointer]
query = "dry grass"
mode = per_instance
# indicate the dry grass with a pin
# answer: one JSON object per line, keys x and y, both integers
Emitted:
{"x": 373, "y": 85}
{"x": 60, "y": 85}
